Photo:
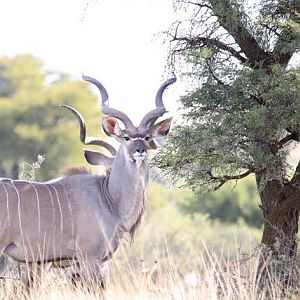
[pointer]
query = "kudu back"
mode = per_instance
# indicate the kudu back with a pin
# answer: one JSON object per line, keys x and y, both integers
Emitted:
{"x": 81, "y": 216}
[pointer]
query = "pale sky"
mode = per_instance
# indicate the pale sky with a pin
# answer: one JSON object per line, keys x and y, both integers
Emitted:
{"x": 113, "y": 41}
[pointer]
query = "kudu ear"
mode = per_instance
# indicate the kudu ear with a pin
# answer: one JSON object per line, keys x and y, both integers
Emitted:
{"x": 161, "y": 128}
{"x": 97, "y": 158}
{"x": 111, "y": 126}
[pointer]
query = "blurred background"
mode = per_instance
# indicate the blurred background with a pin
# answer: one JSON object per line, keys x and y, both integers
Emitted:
{"x": 45, "y": 48}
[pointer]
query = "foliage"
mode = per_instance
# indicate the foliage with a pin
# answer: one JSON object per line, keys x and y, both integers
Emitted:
{"x": 245, "y": 107}
{"x": 32, "y": 123}
{"x": 230, "y": 204}
{"x": 233, "y": 202}
{"x": 167, "y": 228}
{"x": 228, "y": 131}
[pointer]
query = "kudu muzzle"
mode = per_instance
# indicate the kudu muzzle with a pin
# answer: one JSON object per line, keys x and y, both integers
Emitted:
{"x": 139, "y": 150}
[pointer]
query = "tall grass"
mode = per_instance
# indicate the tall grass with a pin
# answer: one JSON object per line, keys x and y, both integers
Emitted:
{"x": 174, "y": 256}
{"x": 209, "y": 276}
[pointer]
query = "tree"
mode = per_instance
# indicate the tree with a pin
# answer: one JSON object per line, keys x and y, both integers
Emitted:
{"x": 32, "y": 123}
{"x": 243, "y": 114}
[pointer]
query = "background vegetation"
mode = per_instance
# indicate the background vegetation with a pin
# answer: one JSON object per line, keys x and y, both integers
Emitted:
{"x": 32, "y": 124}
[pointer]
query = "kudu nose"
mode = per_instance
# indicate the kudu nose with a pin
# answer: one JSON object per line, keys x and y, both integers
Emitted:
{"x": 140, "y": 148}
{"x": 140, "y": 151}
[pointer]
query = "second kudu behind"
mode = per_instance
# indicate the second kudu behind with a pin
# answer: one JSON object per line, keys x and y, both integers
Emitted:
{"x": 81, "y": 216}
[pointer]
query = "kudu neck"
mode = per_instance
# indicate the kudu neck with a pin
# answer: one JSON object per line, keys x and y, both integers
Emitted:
{"x": 126, "y": 177}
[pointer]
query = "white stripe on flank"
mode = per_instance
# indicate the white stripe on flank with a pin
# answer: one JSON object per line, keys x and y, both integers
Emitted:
{"x": 70, "y": 208}
{"x": 53, "y": 222}
{"x": 52, "y": 204}
{"x": 19, "y": 213}
{"x": 60, "y": 210}
{"x": 38, "y": 207}
{"x": 7, "y": 204}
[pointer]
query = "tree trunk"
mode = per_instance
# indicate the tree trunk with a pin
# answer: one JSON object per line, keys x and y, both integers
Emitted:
{"x": 279, "y": 203}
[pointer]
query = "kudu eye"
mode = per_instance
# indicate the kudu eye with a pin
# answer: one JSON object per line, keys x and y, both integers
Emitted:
{"x": 147, "y": 138}
{"x": 126, "y": 138}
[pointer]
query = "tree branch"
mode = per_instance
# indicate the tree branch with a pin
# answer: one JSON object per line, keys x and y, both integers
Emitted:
{"x": 213, "y": 74}
{"x": 201, "y": 5}
{"x": 286, "y": 43}
{"x": 223, "y": 179}
{"x": 230, "y": 19}
{"x": 275, "y": 146}
{"x": 286, "y": 139}
{"x": 211, "y": 43}
{"x": 295, "y": 132}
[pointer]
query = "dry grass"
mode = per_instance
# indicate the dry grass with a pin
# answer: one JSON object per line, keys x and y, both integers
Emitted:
{"x": 209, "y": 276}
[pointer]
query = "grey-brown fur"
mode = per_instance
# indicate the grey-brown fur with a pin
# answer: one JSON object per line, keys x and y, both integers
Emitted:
{"x": 76, "y": 171}
{"x": 68, "y": 217}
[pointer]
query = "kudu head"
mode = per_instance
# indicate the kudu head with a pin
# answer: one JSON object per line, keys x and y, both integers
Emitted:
{"x": 136, "y": 141}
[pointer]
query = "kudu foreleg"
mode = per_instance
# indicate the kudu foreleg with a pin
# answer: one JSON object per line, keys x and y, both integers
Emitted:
{"x": 91, "y": 273}
{"x": 3, "y": 263}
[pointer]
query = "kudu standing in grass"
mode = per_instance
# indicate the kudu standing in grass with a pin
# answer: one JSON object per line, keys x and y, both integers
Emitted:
{"x": 81, "y": 216}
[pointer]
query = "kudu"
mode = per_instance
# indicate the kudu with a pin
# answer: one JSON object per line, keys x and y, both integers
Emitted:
{"x": 81, "y": 216}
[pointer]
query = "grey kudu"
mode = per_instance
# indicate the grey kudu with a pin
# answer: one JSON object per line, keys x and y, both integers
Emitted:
{"x": 80, "y": 216}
